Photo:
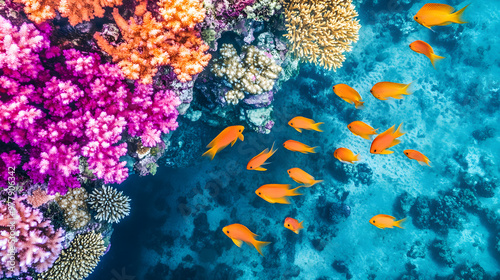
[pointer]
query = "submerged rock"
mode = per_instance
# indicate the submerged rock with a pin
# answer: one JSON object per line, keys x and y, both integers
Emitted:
{"x": 441, "y": 252}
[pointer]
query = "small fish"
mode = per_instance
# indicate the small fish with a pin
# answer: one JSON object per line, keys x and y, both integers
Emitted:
{"x": 424, "y": 48}
{"x": 348, "y": 94}
{"x": 385, "y": 140}
{"x": 257, "y": 161}
{"x": 228, "y": 136}
{"x": 302, "y": 177}
{"x": 293, "y": 225}
{"x": 345, "y": 155}
{"x": 438, "y": 14}
{"x": 300, "y": 123}
{"x": 296, "y": 146}
{"x": 361, "y": 129}
{"x": 384, "y": 90}
{"x": 276, "y": 193}
{"x": 385, "y": 221}
{"x": 418, "y": 156}
{"x": 239, "y": 233}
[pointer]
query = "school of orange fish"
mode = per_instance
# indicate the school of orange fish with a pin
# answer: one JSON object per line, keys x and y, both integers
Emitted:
{"x": 429, "y": 15}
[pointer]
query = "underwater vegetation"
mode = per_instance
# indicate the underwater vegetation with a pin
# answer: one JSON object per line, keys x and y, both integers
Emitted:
{"x": 148, "y": 139}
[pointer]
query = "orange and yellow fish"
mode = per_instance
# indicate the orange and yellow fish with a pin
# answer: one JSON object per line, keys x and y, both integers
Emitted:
{"x": 302, "y": 177}
{"x": 296, "y": 146}
{"x": 383, "y": 221}
{"x": 385, "y": 140}
{"x": 293, "y": 225}
{"x": 257, "y": 161}
{"x": 432, "y": 14}
{"x": 348, "y": 94}
{"x": 300, "y": 123}
{"x": 384, "y": 90}
{"x": 276, "y": 193}
{"x": 345, "y": 155}
{"x": 228, "y": 136}
{"x": 239, "y": 233}
{"x": 424, "y": 48}
{"x": 418, "y": 156}
{"x": 361, "y": 129}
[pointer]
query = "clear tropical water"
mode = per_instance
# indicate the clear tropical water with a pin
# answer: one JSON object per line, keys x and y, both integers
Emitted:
{"x": 174, "y": 230}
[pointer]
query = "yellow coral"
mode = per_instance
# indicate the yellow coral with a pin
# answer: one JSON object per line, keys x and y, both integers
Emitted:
{"x": 320, "y": 31}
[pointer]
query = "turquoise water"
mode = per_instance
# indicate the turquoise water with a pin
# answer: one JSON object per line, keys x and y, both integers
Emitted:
{"x": 453, "y": 223}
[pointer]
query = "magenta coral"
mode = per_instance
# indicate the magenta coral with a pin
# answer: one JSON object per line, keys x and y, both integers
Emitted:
{"x": 80, "y": 107}
{"x": 8, "y": 163}
{"x": 37, "y": 243}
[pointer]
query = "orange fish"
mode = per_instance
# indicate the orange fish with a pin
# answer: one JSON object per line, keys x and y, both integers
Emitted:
{"x": 296, "y": 146}
{"x": 438, "y": 14}
{"x": 300, "y": 123}
{"x": 361, "y": 129}
{"x": 348, "y": 94}
{"x": 424, "y": 48}
{"x": 385, "y": 140}
{"x": 260, "y": 159}
{"x": 276, "y": 193}
{"x": 301, "y": 177}
{"x": 385, "y": 221}
{"x": 239, "y": 233}
{"x": 418, "y": 156}
{"x": 228, "y": 136}
{"x": 345, "y": 155}
{"x": 293, "y": 225}
{"x": 384, "y": 90}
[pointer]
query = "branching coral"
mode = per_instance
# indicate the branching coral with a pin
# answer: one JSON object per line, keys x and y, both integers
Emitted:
{"x": 111, "y": 205}
{"x": 37, "y": 244}
{"x": 320, "y": 31}
{"x": 254, "y": 74}
{"x": 78, "y": 260}
{"x": 149, "y": 44}
{"x": 76, "y": 11}
{"x": 74, "y": 206}
{"x": 39, "y": 197}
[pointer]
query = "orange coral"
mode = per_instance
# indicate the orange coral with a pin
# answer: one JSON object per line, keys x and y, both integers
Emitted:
{"x": 76, "y": 11}
{"x": 39, "y": 197}
{"x": 152, "y": 44}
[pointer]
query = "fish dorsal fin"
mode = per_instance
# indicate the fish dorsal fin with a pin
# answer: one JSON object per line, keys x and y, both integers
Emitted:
{"x": 237, "y": 242}
{"x": 438, "y": 7}
{"x": 389, "y": 131}
{"x": 263, "y": 152}
{"x": 387, "y": 216}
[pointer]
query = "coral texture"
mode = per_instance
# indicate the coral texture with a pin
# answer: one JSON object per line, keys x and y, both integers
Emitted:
{"x": 8, "y": 163}
{"x": 74, "y": 206}
{"x": 149, "y": 44}
{"x": 320, "y": 31}
{"x": 110, "y": 204}
{"x": 39, "y": 197}
{"x": 37, "y": 244}
{"x": 254, "y": 74}
{"x": 79, "y": 259}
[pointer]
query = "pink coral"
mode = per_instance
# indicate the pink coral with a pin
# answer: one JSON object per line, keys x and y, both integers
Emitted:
{"x": 39, "y": 197}
{"x": 37, "y": 243}
{"x": 8, "y": 163}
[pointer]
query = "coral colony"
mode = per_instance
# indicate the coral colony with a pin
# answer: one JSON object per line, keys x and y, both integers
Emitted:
{"x": 94, "y": 91}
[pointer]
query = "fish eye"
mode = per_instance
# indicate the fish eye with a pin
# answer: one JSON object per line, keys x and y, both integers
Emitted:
{"x": 240, "y": 130}
{"x": 288, "y": 225}
{"x": 333, "y": 87}
{"x": 259, "y": 193}
{"x": 349, "y": 126}
{"x": 371, "y": 91}
{"x": 416, "y": 17}
{"x": 251, "y": 167}
{"x": 288, "y": 171}
{"x": 372, "y": 222}
{"x": 291, "y": 123}
{"x": 227, "y": 231}
{"x": 406, "y": 153}
{"x": 374, "y": 150}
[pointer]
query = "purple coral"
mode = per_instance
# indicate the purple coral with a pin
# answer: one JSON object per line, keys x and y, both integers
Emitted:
{"x": 80, "y": 107}
{"x": 36, "y": 242}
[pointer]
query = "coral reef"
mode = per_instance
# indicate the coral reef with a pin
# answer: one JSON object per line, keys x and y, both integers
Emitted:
{"x": 78, "y": 260}
{"x": 320, "y": 31}
{"x": 35, "y": 244}
{"x": 39, "y": 197}
{"x": 74, "y": 206}
{"x": 110, "y": 204}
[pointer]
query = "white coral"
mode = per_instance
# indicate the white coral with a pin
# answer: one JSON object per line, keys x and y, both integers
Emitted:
{"x": 110, "y": 204}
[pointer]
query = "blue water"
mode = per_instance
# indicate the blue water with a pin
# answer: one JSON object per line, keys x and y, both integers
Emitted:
{"x": 174, "y": 230}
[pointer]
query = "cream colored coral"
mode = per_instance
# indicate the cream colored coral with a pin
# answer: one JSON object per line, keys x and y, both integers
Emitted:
{"x": 78, "y": 260}
{"x": 320, "y": 31}
{"x": 234, "y": 96}
{"x": 74, "y": 206}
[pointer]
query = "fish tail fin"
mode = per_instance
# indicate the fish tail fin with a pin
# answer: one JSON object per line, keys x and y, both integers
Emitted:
{"x": 457, "y": 17}
{"x": 259, "y": 244}
{"x": 211, "y": 153}
{"x": 293, "y": 192}
{"x": 359, "y": 104}
{"x": 316, "y": 126}
{"x": 272, "y": 151}
{"x": 398, "y": 132}
{"x": 427, "y": 161}
{"x": 300, "y": 225}
{"x": 312, "y": 150}
{"x": 358, "y": 157}
{"x": 405, "y": 89}
{"x": 316, "y": 182}
{"x": 398, "y": 223}
{"x": 434, "y": 58}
